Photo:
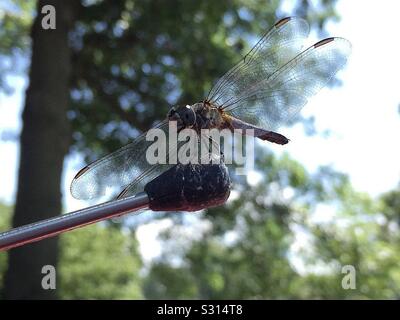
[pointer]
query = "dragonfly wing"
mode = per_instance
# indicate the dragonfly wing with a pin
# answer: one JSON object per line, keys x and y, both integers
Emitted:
{"x": 282, "y": 43}
{"x": 277, "y": 98}
{"x": 145, "y": 177}
{"x": 113, "y": 172}
{"x": 153, "y": 171}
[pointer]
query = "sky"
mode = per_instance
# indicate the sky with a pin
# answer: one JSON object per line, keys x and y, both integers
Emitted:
{"x": 362, "y": 114}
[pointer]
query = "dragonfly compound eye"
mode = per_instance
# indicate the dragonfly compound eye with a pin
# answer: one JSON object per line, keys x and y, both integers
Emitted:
{"x": 189, "y": 117}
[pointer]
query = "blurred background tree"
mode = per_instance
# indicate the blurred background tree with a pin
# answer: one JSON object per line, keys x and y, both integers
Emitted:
{"x": 15, "y": 23}
{"x": 99, "y": 263}
{"x": 255, "y": 252}
{"x": 128, "y": 62}
{"x": 96, "y": 262}
{"x": 44, "y": 142}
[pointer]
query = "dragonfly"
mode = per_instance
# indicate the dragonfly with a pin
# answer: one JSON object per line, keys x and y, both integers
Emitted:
{"x": 263, "y": 91}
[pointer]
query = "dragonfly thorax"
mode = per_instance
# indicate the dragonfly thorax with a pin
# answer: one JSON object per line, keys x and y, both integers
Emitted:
{"x": 197, "y": 116}
{"x": 207, "y": 116}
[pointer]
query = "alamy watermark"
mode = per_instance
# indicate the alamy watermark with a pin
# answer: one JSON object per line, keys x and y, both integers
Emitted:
{"x": 49, "y": 280}
{"x": 349, "y": 280}
{"x": 204, "y": 147}
{"x": 49, "y": 18}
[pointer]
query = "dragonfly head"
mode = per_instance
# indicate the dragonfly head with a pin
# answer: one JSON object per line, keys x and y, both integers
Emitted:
{"x": 184, "y": 115}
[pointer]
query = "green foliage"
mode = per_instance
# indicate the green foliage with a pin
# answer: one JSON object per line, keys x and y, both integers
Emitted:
{"x": 95, "y": 262}
{"x": 253, "y": 245}
{"x": 15, "y": 21}
{"x": 5, "y": 214}
{"x": 99, "y": 263}
{"x": 168, "y": 282}
{"x": 244, "y": 253}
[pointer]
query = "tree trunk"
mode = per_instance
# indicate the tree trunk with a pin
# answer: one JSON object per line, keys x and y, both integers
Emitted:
{"x": 44, "y": 142}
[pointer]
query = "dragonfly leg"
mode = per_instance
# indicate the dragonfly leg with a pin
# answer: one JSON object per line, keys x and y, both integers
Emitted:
{"x": 217, "y": 146}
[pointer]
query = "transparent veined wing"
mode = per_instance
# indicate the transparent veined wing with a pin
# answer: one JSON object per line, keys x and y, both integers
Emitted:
{"x": 278, "y": 97}
{"x": 111, "y": 174}
{"x": 278, "y": 46}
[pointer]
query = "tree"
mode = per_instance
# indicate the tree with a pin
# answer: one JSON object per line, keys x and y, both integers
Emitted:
{"x": 98, "y": 262}
{"x": 44, "y": 142}
{"x": 251, "y": 248}
{"x": 15, "y": 22}
{"x": 243, "y": 254}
